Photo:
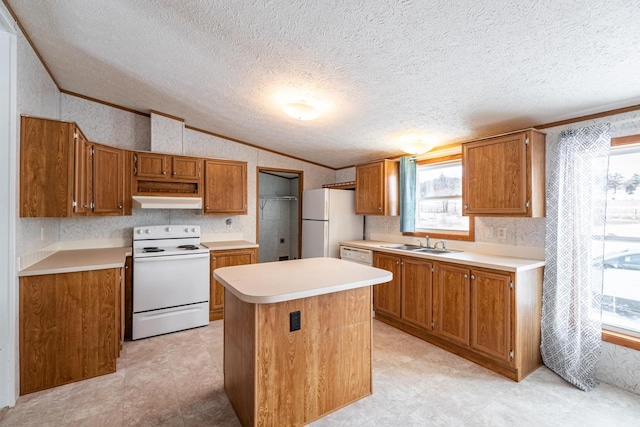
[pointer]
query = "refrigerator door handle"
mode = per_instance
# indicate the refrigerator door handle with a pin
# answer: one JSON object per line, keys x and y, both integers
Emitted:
{"x": 326, "y": 209}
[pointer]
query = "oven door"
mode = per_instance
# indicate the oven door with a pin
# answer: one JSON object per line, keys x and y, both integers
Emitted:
{"x": 170, "y": 281}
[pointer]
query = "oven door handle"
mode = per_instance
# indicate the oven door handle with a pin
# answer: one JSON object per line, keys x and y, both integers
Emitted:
{"x": 171, "y": 258}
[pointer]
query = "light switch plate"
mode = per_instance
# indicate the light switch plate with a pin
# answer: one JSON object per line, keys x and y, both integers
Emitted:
{"x": 502, "y": 233}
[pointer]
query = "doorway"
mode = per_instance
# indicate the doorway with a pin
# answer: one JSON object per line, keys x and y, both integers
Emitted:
{"x": 279, "y": 207}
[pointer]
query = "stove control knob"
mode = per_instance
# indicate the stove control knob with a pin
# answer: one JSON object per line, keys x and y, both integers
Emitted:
{"x": 139, "y": 231}
{"x": 147, "y": 231}
{"x": 186, "y": 230}
{"x": 168, "y": 229}
{"x": 193, "y": 230}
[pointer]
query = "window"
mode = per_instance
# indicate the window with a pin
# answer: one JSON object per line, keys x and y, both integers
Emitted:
{"x": 621, "y": 287}
{"x": 439, "y": 200}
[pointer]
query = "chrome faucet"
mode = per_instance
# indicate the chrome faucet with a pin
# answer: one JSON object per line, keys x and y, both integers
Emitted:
{"x": 443, "y": 245}
{"x": 427, "y": 246}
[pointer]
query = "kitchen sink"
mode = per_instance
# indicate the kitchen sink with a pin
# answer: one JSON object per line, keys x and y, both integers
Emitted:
{"x": 420, "y": 249}
{"x": 435, "y": 251}
{"x": 402, "y": 247}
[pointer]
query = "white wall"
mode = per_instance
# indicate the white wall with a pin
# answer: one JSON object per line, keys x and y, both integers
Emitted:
{"x": 35, "y": 94}
{"x": 8, "y": 297}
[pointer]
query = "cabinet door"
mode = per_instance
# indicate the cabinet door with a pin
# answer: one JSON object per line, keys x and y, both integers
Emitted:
{"x": 452, "y": 298}
{"x": 108, "y": 180}
{"x": 386, "y": 296}
{"x": 416, "y": 292}
{"x": 225, "y": 187}
{"x": 188, "y": 168}
{"x": 491, "y": 313}
{"x": 221, "y": 259}
{"x": 494, "y": 176}
{"x": 370, "y": 189}
{"x": 46, "y": 168}
{"x": 68, "y": 327}
{"x": 151, "y": 165}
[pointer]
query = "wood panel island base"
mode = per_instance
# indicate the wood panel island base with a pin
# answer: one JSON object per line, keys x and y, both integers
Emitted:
{"x": 297, "y": 338}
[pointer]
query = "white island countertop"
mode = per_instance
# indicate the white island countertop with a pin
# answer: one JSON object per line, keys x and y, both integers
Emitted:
{"x": 301, "y": 278}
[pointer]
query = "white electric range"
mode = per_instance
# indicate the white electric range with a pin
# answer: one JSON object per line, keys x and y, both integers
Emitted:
{"x": 170, "y": 280}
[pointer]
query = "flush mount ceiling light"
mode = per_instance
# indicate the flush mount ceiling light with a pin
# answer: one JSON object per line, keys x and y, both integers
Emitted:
{"x": 417, "y": 147}
{"x": 300, "y": 110}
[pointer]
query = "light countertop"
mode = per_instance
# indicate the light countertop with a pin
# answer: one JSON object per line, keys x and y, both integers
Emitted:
{"x": 78, "y": 260}
{"x": 301, "y": 278}
{"x": 474, "y": 259}
{"x": 229, "y": 244}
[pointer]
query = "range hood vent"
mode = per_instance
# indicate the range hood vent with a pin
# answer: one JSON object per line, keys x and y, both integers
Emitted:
{"x": 162, "y": 202}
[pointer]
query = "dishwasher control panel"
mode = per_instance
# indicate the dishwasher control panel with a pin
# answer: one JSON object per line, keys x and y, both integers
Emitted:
{"x": 361, "y": 256}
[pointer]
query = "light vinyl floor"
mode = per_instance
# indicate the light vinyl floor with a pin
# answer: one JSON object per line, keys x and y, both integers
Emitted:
{"x": 176, "y": 380}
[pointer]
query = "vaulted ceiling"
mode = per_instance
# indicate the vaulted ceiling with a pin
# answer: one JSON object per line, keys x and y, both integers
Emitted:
{"x": 381, "y": 72}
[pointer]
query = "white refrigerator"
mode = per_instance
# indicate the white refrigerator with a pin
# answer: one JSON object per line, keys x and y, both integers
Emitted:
{"x": 328, "y": 217}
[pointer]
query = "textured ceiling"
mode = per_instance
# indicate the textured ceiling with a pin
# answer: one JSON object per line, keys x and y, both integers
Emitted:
{"x": 379, "y": 70}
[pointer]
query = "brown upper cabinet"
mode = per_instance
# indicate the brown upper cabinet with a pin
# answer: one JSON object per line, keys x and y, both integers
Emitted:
{"x": 505, "y": 175}
{"x": 61, "y": 176}
{"x": 166, "y": 175}
{"x": 107, "y": 165}
{"x": 225, "y": 187}
{"x": 377, "y": 188}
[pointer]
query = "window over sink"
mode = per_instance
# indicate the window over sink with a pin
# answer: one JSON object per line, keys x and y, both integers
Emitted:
{"x": 439, "y": 200}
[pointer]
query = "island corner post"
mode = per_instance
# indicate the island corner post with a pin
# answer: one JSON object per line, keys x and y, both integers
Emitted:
{"x": 276, "y": 375}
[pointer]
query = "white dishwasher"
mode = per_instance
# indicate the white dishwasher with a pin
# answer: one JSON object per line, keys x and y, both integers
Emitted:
{"x": 360, "y": 256}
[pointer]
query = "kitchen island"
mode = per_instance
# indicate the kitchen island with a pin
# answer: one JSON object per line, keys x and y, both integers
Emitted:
{"x": 297, "y": 338}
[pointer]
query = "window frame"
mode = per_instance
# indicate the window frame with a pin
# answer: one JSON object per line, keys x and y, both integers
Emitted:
{"x": 439, "y": 233}
{"x": 611, "y": 333}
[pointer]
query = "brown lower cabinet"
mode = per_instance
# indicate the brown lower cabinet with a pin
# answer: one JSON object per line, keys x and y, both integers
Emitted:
{"x": 490, "y": 317}
{"x": 225, "y": 258}
{"x": 71, "y": 327}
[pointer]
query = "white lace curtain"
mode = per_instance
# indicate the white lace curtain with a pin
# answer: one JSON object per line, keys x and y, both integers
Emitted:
{"x": 576, "y": 205}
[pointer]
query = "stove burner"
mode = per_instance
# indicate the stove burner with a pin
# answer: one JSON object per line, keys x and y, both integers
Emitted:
{"x": 152, "y": 249}
{"x": 188, "y": 247}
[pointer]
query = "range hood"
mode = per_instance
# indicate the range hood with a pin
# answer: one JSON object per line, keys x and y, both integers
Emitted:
{"x": 162, "y": 202}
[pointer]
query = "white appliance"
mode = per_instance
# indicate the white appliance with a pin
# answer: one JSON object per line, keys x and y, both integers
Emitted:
{"x": 328, "y": 217}
{"x": 357, "y": 255}
{"x": 170, "y": 280}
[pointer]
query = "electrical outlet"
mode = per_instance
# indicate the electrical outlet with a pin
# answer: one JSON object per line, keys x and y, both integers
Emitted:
{"x": 294, "y": 321}
{"x": 282, "y": 240}
{"x": 488, "y": 232}
{"x": 229, "y": 221}
{"x": 502, "y": 233}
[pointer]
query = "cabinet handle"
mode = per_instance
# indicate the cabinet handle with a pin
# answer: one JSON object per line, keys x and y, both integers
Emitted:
{"x": 119, "y": 206}
{"x": 164, "y": 172}
{"x": 379, "y": 208}
{"x": 174, "y": 173}
{"x": 207, "y": 207}
{"x": 397, "y": 262}
{"x": 465, "y": 276}
{"x": 473, "y": 277}
{"x": 466, "y": 207}
{"x": 85, "y": 206}
{"x": 213, "y": 258}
